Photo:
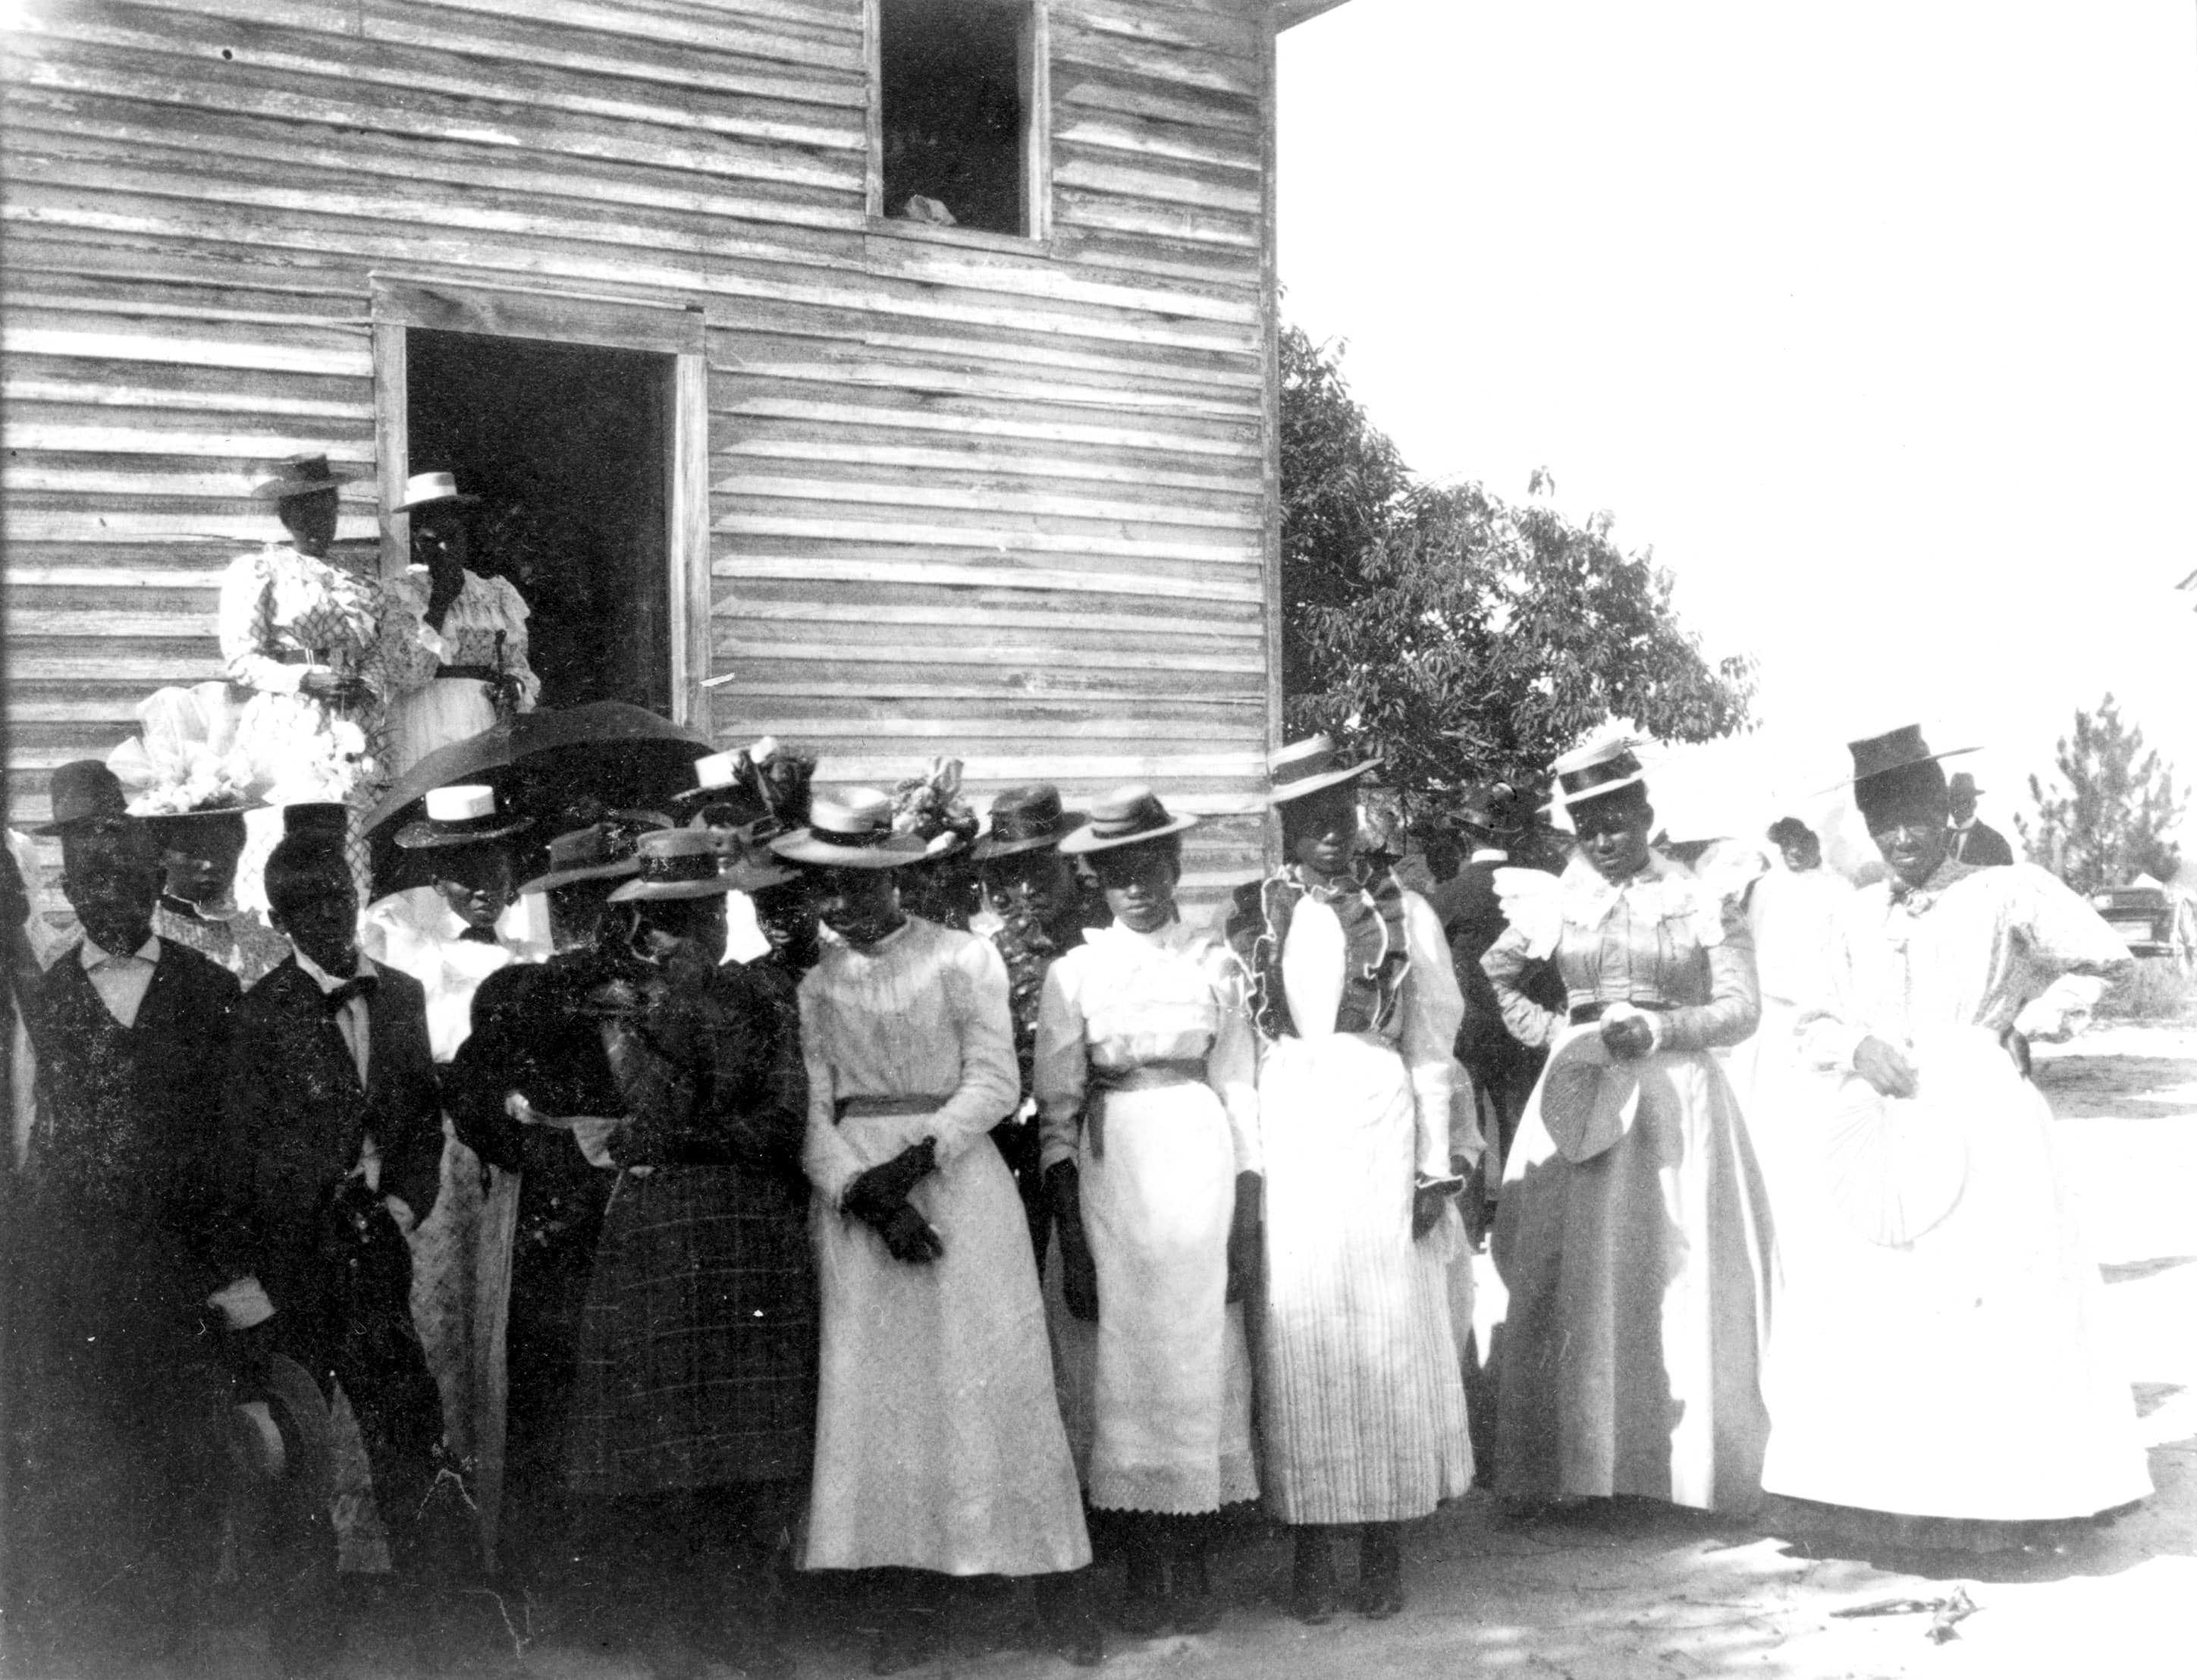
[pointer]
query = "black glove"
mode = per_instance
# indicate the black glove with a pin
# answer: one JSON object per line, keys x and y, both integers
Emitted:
{"x": 909, "y": 1237}
{"x": 876, "y": 1194}
{"x": 1428, "y": 1202}
{"x": 1079, "y": 1273}
{"x": 1245, "y": 1244}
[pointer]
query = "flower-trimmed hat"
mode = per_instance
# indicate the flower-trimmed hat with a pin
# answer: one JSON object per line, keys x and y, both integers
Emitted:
{"x": 300, "y": 475}
{"x": 675, "y": 863}
{"x": 434, "y": 489}
{"x": 1022, "y": 818}
{"x": 1594, "y": 772}
{"x": 1128, "y": 816}
{"x": 462, "y": 815}
{"x": 601, "y": 851}
{"x": 853, "y": 832}
{"x": 1308, "y": 767}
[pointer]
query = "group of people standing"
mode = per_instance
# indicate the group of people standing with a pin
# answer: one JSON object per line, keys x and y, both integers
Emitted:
{"x": 762, "y": 1213}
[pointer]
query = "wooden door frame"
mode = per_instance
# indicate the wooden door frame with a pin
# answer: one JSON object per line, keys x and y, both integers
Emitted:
{"x": 403, "y": 302}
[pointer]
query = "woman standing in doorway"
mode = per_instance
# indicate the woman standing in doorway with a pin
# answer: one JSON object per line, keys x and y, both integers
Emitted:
{"x": 456, "y": 640}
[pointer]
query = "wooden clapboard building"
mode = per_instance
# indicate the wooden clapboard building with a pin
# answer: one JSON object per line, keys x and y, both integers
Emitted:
{"x": 768, "y": 443}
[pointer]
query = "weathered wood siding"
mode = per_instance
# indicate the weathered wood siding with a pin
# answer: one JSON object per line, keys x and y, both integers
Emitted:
{"x": 966, "y": 494}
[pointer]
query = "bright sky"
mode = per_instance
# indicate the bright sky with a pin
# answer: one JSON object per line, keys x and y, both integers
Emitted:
{"x": 1877, "y": 320}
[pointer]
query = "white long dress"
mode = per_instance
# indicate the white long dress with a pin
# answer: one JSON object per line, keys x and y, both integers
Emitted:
{"x": 484, "y": 625}
{"x": 1362, "y": 1396}
{"x": 1155, "y": 1022}
{"x": 939, "y": 1443}
{"x": 1939, "y": 1351}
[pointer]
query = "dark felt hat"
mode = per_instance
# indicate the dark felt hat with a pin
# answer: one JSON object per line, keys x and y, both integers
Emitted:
{"x": 280, "y": 1435}
{"x": 84, "y": 791}
{"x": 678, "y": 863}
{"x": 1492, "y": 807}
{"x": 598, "y": 852}
{"x": 1021, "y": 819}
{"x": 1128, "y": 816}
{"x": 316, "y": 816}
{"x": 300, "y": 475}
{"x": 1877, "y": 757}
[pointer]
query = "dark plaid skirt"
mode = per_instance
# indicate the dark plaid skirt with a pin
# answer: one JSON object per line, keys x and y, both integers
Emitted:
{"x": 697, "y": 1346}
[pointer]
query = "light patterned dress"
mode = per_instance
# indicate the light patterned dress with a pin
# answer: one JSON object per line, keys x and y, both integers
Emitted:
{"x": 236, "y": 939}
{"x": 939, "y": 1443}
{"x": 279, "y": 611}
{"x": 1640, "y": 1273}
{"x": 1941, "y": 1350}
{"x": 484, "y": 625}
{"x": 1145, "y": 1076}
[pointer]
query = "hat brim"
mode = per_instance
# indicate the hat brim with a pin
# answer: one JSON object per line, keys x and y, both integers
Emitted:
{"x": 650, "y": 892}
{"x": 1570, "y": 801}
{"x": 986, "y": 849}
{"x": 1290, "y": 792}
{"x": 311, "y": 1476}
{"x": 1087, "y": 840}
{"x": 203, "y": 811}
{"x": 429, "y": 836}
{"x": 456, "y": 499}
{"x": 725, "y": 793}
{"x": 283, "y": 489}
{"x": 51, "y": 830}
{"x": 1895, "y": 769}
{"x": 565, "y": 877}
{"x": 895, "y": 852}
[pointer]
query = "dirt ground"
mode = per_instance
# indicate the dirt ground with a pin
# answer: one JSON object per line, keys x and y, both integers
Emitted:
{"x": 1644, "y": 1591}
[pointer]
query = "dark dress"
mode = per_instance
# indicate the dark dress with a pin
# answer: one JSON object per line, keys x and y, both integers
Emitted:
{"x": 697, "y": 1365}
{"x": 112, "y": 1506}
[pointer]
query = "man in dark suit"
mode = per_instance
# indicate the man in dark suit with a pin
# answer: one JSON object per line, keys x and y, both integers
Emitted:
{"x": 332, "y": 1140}
{"x": 112, "y": 1501}
{"x": 1974, "y": 841}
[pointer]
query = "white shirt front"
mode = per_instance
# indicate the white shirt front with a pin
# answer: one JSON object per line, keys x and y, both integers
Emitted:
{"x": 121, "y": 980}
{"x": 352, "y": 1020}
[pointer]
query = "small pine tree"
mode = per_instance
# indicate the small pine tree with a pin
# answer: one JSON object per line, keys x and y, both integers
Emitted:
{"x": 2104, "y": 821}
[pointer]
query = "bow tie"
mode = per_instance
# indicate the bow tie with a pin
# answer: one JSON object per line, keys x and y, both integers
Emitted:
{"x": 358, "y": 985}
{"x": 485, "y": 935}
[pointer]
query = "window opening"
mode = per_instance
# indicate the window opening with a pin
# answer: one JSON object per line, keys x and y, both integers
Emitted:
{"x": 956, "y": 81}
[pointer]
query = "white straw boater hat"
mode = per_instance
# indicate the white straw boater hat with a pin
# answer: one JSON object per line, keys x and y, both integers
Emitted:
{"x": 430, "y": 490}
{"x": 1306, "y": 766}
{"x": 852, "y": 830}
{"x": 464, "y": 815}
{"x": 1589, "y": 772}
{"x": 1128, "y": 816}
{"x": 693, "y": 863}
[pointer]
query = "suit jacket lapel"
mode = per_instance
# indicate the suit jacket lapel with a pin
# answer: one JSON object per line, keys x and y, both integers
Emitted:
{"x": 326, "y": 1038}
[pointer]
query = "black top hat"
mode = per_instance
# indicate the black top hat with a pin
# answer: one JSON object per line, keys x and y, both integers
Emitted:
{"x": 1128, "y": 816}
{"x": 317, "y": 816}
{"x": 1023, "y": 819}
{"x": 84, "y": 791}
{"x": 1896, "y": 750}
{"x": 300, "y": 475}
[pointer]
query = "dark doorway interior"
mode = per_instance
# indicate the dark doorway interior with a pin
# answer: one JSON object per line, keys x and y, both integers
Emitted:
{"x": 569, "y": 447}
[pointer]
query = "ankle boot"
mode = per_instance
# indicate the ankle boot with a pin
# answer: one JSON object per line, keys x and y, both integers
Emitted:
{"x": 1381, "y": 1572}
{"x": 1144, "y": 1606}
{"x": 1313, "y": 1593}
{"x": 1191, "y": 1604}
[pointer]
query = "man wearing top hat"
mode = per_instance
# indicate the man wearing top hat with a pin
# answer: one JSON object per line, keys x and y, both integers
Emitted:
{"x": 112, "y": 1506}
{"x": 456, "y": 640}
{"x": 1044, "y": 911}
{"x": 1974, "y": 841}
{"x": 331, "y": 1139}
{"x": 940, "y": 1449}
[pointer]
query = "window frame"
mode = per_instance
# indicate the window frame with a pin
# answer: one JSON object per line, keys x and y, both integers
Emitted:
{"x": 1036, "y": 67}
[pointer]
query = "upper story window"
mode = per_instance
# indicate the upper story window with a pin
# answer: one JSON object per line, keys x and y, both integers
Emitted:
{"x": 960, "y": 96}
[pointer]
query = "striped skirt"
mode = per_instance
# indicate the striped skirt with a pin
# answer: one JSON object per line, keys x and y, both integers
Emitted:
{"x": 1362, "y": 1395}
{"x": 698, "y": 1345}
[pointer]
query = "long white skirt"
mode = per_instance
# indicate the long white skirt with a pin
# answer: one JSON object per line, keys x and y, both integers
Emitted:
{"x": 1172, "y": 1390}
{"x": 1965, "y": 1373}
{"x": 437, "y": 713}
{"x": 1362, "y": 1397}
{"x": 939, "y": 1443}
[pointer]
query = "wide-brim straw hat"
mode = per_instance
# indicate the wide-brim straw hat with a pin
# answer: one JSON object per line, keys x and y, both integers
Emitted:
{"x": 434, "y": 489}
{"x": 594, "y": 852}
{"x": 300, "y": 475}
{"x": 1305, "y": 768}
{"x": 676, "y": 863}
{"x": 1023, "y": 819}
{"x": 463, "y": 816}
{"x": 1591, "y": 772}
{"x": 1128, "y": 816}
{"x": 853, "y": 831}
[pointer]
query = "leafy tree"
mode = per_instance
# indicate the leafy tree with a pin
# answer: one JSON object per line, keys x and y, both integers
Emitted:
{"x": 1457, "y": 634}
{"x": 2104, "y": 820}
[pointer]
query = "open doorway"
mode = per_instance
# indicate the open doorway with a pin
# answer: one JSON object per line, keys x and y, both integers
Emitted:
{"x": 569, "y": 447}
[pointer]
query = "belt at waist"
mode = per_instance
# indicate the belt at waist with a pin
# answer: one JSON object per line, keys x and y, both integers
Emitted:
{"x": 468, "y": 673}
{"x": 1151, "y": 1075}
{"x": 1582, "y": 1014}
{"x": 869, "y": 1108}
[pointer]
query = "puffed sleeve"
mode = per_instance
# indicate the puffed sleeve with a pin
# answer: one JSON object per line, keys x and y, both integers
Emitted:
{"x": 1735, "y": 1004}
{"x": 244, "y": 622}
{"x": 1433, "y": 1009}
{"x": 515, "y": 613}
{"x": 1505, "y": 964}
{"x": 1060, "y": 1067}
{"x": 825, "y": 1155}
{"x": 1831, "y": 1022}
{"x": 1231, "y": 1066}
{"x": 2059, "y": 931}
{"x": 991, "y": 1086}
{"x": 412, "y": 649}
